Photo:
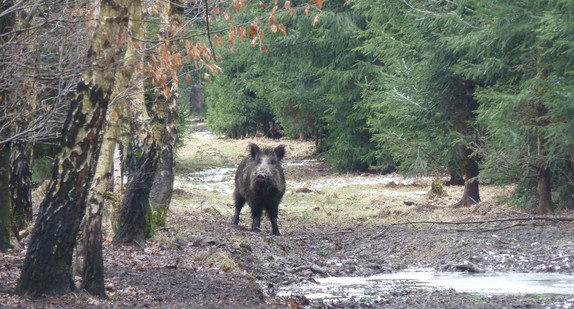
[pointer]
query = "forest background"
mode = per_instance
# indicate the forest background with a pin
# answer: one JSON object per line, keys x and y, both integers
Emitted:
{"x": 479, "y": 90}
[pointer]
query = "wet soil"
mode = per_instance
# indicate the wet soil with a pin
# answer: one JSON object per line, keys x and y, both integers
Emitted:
{"x": 333, "y": 225}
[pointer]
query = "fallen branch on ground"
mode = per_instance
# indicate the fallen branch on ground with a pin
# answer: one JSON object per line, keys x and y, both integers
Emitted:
{"x": 520, "y": 223}
{"x": 489, "y": 221}
{"x": 561, "y": 257}
{"x": 315, "y": 268}
{"x": 491, "y": 229}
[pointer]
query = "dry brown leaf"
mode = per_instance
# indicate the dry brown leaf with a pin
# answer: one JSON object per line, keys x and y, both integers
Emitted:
{"x": 315, "y": 20}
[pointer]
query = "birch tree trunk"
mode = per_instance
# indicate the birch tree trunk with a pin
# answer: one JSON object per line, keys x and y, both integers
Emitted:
{"x": 93, "y": 272}
{"x": 166, "y": 103}
{"x": 47, "y": 268}
{"x": 137, "y": 218}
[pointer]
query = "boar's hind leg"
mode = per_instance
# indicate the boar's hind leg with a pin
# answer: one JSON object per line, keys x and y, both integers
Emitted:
{"x": 239, "y": 202}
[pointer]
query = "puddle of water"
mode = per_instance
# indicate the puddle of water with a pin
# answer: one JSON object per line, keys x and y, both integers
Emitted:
{"x": 338, "y": 288}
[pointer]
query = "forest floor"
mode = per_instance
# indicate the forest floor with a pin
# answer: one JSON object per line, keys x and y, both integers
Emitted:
{"x": 333, "y": 225}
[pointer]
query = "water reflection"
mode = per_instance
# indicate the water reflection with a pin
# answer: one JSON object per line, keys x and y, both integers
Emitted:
{"x": 485, "y": 284}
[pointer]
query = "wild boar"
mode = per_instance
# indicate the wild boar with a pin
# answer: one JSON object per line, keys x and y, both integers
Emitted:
{"x": 260, "y": 181}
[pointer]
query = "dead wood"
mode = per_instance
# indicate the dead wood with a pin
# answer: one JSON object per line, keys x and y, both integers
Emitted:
{"x": 491, "y": 229}
{"x": 533, "y": 218}
{"x": 561, "y": 257}
{"x": 313, "y": 267}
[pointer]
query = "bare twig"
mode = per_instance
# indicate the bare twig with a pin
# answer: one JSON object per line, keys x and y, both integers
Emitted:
{"x": 561, "y": 257}
{"x": 491, "y": 229}
{"x": 207, "y": 28}
{"x": 382, "y": 233}
{"x": 341, "y": 232}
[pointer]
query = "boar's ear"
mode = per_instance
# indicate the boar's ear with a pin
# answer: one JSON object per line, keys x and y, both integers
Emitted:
{"x": 280, "y": 152}
{"x": 253, "y": 150}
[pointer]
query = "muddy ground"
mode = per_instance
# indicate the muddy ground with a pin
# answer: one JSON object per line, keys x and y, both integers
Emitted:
{"x": 332, "y": 224}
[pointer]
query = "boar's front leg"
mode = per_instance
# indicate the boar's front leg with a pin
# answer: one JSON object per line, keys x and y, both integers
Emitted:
{"x": 256, "y": 225}
{"x": 273, "y": 212}
{"x": 275, "y": 227}
{"x": 239, "y": 202}
{"x": 256, "y": 212}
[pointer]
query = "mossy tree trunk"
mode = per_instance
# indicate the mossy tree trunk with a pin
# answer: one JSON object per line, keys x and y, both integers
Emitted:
{"x": 133, "y": 226}
{"x": 47, "y": 268}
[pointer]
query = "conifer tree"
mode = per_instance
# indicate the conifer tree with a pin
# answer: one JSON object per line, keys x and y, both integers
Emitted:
{"x": 420, "y": 112}
{"x": 520, "y": 54}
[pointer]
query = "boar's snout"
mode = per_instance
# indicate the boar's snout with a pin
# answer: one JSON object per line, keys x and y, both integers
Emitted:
{"x": 260, "y": 177}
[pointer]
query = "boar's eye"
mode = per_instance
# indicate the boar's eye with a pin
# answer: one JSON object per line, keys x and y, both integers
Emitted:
{"x": 272, "y": 162}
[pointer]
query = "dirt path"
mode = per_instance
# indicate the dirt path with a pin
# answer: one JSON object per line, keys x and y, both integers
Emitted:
{"x": 332, "y": 224}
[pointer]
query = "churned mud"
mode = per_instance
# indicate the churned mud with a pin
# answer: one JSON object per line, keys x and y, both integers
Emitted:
{"x": 333, "y": 225}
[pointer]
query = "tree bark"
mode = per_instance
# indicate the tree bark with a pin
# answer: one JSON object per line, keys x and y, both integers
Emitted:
{"x": 6, "y": 25}
{"x": 21, "y": 185}
{"x": 471, "y": 170}
{"x": 47, "y": 268}
{"x": 5, "y": 201}
{"x": 544, "y": 187}
{"x": 117, "y": 173}
{"x": 144, "y": 205}
{"x": 165, "y": 120}
{"x": 133, "y": 225}
{"x": 93, "y": 272}
{"x": 164, "y": 123}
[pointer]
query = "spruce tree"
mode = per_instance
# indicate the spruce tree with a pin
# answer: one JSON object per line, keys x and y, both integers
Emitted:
{"x": 520, "y": 55}
{"x": 420, "y": 111}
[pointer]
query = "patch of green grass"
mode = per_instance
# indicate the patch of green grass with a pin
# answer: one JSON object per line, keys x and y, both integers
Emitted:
{"x": 479, "y": 300}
